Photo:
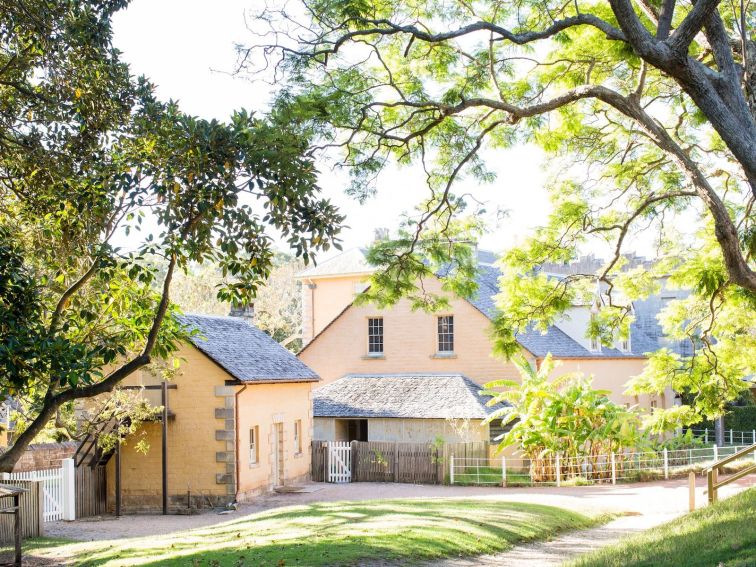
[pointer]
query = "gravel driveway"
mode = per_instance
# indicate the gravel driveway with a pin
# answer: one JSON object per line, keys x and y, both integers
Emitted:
{"x": 663, "y": 499}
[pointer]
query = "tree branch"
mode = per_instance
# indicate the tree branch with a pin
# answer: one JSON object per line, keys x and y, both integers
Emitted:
{"x": 682, "y": 37}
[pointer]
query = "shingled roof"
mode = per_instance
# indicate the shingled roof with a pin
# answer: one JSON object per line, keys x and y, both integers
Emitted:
{"x": 423, "y": 396}
{"x": 244, "y": 351}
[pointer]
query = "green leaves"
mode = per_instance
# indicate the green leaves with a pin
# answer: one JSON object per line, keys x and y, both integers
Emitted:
{"x": 560, "y": 414}
{"x": 88, "y": 156}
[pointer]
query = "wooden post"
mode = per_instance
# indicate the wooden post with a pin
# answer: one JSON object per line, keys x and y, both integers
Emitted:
{"x": 558, "y": 472}
{"x": 118, "y": 478}
{"x": 69, "y": 489}
{"x": 706, "y": 436}
{"x": 614, "y": 469}
{"x": 716, "y": 452}
{"x": 666, "y": 464}
{"x": 396, "y": 461}
{"x": 164, "y": 401}
{"x": 691, "y": 491}
{"x": 503, "y": 471}
{"x": 451, "y": 469}
{"x": 17, "y": 527}
{"x": 354, "y": 448}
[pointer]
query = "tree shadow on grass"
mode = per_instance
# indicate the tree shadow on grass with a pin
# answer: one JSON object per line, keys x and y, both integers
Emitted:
{"x": 346, "y": 533}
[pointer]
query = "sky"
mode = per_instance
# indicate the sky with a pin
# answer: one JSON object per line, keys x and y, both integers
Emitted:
{"x": 186, "y": 47}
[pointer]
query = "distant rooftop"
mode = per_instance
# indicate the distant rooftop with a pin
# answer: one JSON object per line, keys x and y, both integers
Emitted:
{"x": 645, "y": 332}
{"x": 350, "y": 261}
{"x": 423, "y": 396}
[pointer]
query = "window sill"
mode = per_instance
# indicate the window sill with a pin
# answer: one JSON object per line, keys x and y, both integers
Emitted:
{"x": 444, "y": 355}
{"x": 374, "y": 357}
{"x": 254, "y": 465}
{"x": 299, "y": 455}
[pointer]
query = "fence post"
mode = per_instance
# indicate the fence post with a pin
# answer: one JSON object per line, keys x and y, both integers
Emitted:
{"x": 666, "y": 464}
{"x": 451, "y": 469}
{"x": 396, "y": 461}
{"x": 691, "y": 491}
{"x": 716, "y": 452}
{"x": 706, "y": 436}
{"x": 558, "y": 472}
{"x": 69, "y": 489}
{"x": 614, "y": 469}
{"x": 732, "y": 442}
{"x": 754, "y": 437}
{"x": 504, "y": 471}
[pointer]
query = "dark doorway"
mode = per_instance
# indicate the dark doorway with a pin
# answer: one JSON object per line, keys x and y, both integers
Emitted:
{"x": 357, "y": 429}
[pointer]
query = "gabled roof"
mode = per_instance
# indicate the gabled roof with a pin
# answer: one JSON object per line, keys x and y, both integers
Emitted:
{"x": 246, "y": 352}
{"x": 421, "y": 396}
{"x": 350, "y": 261}
{"x": 645, "y": 332}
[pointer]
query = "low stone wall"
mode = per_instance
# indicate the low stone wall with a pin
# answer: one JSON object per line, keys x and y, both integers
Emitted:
{"x": 45, "y": 456}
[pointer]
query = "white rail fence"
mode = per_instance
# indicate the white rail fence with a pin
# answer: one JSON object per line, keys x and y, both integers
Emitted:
{"x": 58, "y": 490}
{"x": 557, "y": 471}
{"x": 731, "y": 436}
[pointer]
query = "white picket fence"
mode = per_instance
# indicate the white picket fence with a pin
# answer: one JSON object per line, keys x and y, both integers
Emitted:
{"x": 58, "y": 489}
{"x": 339, "y": 462}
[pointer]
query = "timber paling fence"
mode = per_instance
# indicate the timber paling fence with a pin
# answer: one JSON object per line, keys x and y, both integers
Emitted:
{"x": 477, "y": 464}
{"x": 30, "y": 512}
{"x": 375, "y": 461}
{"x": 612, "y": 468}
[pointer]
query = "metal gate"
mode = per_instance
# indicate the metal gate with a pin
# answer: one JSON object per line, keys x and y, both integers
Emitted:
{"x": 339, "y": 462}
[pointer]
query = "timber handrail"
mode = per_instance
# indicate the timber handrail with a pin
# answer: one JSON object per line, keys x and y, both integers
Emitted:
{"x": 712, "y": 472}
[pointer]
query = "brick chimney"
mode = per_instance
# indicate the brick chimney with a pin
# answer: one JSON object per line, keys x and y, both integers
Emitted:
{"x": 246, "y": 312}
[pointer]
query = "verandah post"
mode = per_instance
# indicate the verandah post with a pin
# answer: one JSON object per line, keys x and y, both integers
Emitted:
{"x": 451, "y": 469}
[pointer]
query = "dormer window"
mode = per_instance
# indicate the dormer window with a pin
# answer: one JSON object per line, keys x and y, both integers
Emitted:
{"x": 624, "y": 345}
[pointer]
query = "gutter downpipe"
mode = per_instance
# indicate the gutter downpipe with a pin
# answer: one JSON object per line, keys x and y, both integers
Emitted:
{"x": 237, "y": 444}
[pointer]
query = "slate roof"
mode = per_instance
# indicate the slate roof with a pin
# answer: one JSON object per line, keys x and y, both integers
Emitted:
{"x": 423, "y": 396}
{"x": 350, "y": 261}
{"x": 244, "y": 351}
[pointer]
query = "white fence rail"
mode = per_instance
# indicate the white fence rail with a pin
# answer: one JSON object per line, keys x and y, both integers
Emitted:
{"x": 58, "y": 490}
{"x": 339, "y": 462}
{"x": 731, "y": 436}
{"x": 556, "y": 471}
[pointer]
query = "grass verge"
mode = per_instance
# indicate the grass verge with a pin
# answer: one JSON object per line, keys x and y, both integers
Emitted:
{"x": 721, "y": 535}
{"x": 336, "y": 533}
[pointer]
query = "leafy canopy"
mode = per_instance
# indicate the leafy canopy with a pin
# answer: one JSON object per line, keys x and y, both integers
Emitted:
{"x": 646, "y": 112}
{"x": 88, "y": 154}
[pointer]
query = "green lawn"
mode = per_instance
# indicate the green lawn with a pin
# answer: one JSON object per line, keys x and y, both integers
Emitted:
{"x": 338, "y": 533}
{"x": 721, "y": 535}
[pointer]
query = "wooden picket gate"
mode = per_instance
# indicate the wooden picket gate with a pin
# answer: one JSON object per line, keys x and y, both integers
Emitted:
{"x": 339, "y": 462}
